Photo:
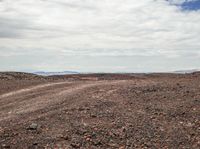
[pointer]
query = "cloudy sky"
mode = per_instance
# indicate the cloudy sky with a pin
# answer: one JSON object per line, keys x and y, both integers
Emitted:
{"x": 99, "y": 35}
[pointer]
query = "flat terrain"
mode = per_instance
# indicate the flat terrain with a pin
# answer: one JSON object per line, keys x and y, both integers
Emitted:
{"x": 100, "y": 111}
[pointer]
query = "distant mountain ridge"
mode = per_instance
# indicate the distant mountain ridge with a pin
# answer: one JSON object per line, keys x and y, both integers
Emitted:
{"x": 44, "y": 73}
{"x": 19, "y": 76}
{"x": 187, "y": 71}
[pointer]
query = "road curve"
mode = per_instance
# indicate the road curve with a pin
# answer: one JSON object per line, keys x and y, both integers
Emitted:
{"x": 23, "y": 101}
{"x": 31, "y": 89}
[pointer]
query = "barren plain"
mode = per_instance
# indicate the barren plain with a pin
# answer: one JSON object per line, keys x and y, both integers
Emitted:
{"x": 100, "y": 111}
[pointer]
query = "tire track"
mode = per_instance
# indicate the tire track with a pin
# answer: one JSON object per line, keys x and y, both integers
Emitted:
{"x": 31, "y": 89}
{"x": 51, "y": 98}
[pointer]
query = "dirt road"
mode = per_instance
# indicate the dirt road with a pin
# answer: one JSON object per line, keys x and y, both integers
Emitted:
{"x": 115, "y": 114}
{"x": 22, "y": 101}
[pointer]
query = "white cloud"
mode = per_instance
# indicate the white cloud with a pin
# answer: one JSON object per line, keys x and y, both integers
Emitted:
{"x": 100, "y": 27}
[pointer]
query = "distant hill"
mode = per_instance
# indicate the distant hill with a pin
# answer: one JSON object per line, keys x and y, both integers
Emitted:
{"x": 187, "y": 71}
{"x": 43, "y": 73}
{"x": 19, "y": 76}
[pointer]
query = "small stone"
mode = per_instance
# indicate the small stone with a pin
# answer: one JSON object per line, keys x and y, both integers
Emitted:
{"x": 6, "y": 135}
{"x": 33, "y": 126}
{"x": 183, "y": 113}
{"x": 65, "y": 137}
{"x": 122, "y": 147}
{"x": 181, "y": 122}
{"x": 97, "y": 142}
{"x": 35, "y": 143}
{"x": 93, "y": 115}
{"x": 1, "y": 129}
{"x": 76, "y": 143}
{"x": 123, "y": 129}
{"x": 113, "y": 145}
{"x": 189, "y": 124}
{"x": 88, "y": 139}
{"x": 80, "y": 109}
{"x": 5, "y": 146}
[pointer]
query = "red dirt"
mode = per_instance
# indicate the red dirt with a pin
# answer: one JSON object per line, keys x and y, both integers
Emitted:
{"x": 100, "y": 111}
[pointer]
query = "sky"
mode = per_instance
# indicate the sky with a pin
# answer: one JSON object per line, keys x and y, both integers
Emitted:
{"x": 99, "y": 35}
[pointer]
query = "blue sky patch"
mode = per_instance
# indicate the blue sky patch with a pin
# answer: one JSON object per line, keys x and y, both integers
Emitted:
{"x": 187, "y": 5}
{"x": 191, "y": 5}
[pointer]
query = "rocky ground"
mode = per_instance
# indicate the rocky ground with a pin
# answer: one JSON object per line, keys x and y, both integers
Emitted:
{"x": 100, "y": 111}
